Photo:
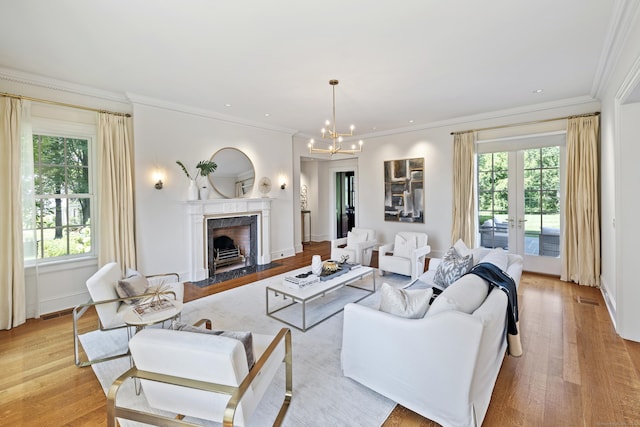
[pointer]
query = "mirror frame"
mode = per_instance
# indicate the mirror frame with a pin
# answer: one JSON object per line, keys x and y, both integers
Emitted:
{"x": 213, "y": 175}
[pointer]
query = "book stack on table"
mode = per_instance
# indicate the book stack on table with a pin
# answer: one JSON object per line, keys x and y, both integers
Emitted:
{"x": 301, "y": 281}
{"x": 148, "y": 308}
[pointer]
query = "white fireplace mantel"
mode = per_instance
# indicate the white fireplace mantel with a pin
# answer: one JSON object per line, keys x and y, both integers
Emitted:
{"x": 198, "y": 211}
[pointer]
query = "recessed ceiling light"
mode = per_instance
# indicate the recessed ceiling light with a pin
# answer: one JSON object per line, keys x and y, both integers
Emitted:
{"x": 537, "y": 90}
{"x": 267, "y": 114}
{"x": 410, "y": 121}
{"x": 227, "y": 105}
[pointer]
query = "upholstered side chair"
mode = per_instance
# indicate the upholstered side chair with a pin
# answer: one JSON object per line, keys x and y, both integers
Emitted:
{"x": 202, "y": 375}
{"x": 358, "y": 246}
{"x": 111, "y": 307}
{"x": 406, "y": 255}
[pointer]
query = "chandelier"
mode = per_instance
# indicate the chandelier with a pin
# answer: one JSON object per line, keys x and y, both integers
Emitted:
{"x": 335, "y": 137}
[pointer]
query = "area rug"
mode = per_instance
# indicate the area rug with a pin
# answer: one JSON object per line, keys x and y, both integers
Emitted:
{"x": 322, "y": 396}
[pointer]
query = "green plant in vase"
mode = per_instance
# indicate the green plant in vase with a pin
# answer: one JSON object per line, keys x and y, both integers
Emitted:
{"x": 203, "y": 168}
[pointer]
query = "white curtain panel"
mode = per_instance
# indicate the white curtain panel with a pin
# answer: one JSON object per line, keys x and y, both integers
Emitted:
{"x": 581, "y": 247}
{"x": 12, "y": 281}
{"x": 117, "y": 220}
{"x": 464, "y": 195}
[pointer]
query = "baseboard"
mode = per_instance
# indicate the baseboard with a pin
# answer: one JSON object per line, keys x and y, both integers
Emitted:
{"x": 609, "y": 302}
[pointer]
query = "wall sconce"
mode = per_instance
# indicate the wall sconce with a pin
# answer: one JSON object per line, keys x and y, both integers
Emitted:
{"x": 157, "y": 177}
{"x": 283, "y": 182}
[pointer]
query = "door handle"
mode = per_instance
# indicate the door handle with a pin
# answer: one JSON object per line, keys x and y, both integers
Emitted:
{"x": 521, "y": 222}
{"x": 511, "y": 222}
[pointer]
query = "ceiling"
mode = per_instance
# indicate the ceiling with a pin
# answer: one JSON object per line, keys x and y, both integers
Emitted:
{"x": 400, "y": 64}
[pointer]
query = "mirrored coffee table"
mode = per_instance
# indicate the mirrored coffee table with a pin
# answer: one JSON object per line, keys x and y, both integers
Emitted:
{"x": 304, "y": 308}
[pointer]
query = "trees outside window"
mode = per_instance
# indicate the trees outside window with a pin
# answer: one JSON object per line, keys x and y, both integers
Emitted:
{"x": 62, "y": 179}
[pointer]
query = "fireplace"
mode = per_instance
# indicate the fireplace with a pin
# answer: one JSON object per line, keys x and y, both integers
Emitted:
{"x": 232, "y": 243}
{"x": 254, "y": 214}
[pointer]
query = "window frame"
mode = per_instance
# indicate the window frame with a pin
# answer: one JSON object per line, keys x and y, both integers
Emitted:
{"x": 66, "y": 129}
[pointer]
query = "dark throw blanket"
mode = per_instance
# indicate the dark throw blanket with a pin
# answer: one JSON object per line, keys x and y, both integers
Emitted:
{"x": 499, "y": 279}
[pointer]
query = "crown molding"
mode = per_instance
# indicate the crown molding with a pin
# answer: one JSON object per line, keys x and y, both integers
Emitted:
{"x": 620, "y": 25}
{"x": 457, "y": 123}
{"x": 59, "y": 85}
{"x": 209, "y": 114}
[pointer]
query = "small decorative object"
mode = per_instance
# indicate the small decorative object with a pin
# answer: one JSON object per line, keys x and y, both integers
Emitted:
{"x": 203, "y": 168}
{"x": 316, "y": 265}
{"x": 330, "y": 266}
{"x": 193, "y": 190}
{"x": 303, "y": 198}
{"x": 344, "y": 258}
{"x": 204, "y": 193}
{"x": 265, "y": 186}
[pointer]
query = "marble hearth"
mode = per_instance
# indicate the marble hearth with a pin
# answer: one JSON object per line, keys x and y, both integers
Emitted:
{"x": 200, "y": 211}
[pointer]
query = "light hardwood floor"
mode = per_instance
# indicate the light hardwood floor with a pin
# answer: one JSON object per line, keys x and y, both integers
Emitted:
{"x": 575, "y": 370}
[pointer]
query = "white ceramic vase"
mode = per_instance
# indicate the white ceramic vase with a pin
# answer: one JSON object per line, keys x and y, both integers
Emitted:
{"x": 316, "y": 265}
{"x": 193, "y": 190}
{"x": 204, "y": 193}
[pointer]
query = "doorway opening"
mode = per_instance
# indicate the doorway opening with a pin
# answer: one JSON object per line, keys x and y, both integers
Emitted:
{"x": 345, "y": 203}
{"x": 520, "y": 199}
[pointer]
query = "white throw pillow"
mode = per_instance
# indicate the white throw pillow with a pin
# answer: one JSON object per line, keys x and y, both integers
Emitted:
{"x": 452, "y": 267}
{"x": 497, "y": 257}
{"x": 465, "y": 295}
{"x": 409, "y": 303}
{"x": 404, "y": 247}
{"x": 354, "y": 237}
{"x": 461, "y": 248}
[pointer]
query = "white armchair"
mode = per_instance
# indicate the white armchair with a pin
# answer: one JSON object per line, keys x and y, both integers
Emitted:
{"x": 406, "y": 255}
{"x": 111, "y": 307}
{"x": 358, "y": 245}
{"x": 203, "y": 376}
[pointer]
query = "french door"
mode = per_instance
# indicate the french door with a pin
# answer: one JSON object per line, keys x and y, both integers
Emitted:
{"x": 520, "y": 199}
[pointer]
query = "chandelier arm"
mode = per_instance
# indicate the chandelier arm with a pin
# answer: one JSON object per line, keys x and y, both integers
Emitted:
{"x": 336, "y": 137}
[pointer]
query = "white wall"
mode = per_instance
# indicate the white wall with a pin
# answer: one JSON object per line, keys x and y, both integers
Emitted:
{"x": 435, "y": 145}
{"x": 620, "y": 130}
{"x": 163, "y": 136}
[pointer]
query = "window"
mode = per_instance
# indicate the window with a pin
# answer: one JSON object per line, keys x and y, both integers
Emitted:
{"x": 63, "y": 195}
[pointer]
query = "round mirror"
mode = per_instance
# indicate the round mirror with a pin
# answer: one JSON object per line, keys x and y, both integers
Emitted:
{"x": 234, "y": 176}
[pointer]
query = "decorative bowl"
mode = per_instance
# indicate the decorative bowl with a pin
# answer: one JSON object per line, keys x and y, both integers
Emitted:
{"x": 330, "y": 266}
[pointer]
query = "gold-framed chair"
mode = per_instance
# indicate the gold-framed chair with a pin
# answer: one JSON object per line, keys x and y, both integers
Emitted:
{"x": 111, "y": 308}
{"x": 203, "y": 376}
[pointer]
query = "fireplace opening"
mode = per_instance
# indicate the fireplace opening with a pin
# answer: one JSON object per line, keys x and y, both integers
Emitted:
{"x": 226, "y": 253}
{"x": 232, "y": 244}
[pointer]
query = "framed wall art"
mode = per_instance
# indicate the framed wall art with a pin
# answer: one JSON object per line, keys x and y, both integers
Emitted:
{"x": 404, "y": 190}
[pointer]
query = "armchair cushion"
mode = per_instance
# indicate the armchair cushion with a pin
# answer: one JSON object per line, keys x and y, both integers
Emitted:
{"x": 246, "y": 338}
{"x": 404, "y": 246}
{"x": 354, "y": 237}
{"x": 131, "y": 287}
{"x": 409, "y": 303}
{"x": 452, "y": 267}
{"x": 217, "y": 360}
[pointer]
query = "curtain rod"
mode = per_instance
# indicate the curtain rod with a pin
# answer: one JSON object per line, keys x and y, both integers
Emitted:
{"x": 62, "y": 104}
{"x": 597, "y": 113}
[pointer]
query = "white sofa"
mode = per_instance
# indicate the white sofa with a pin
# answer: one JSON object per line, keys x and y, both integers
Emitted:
{"x": 443, "y": 366}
